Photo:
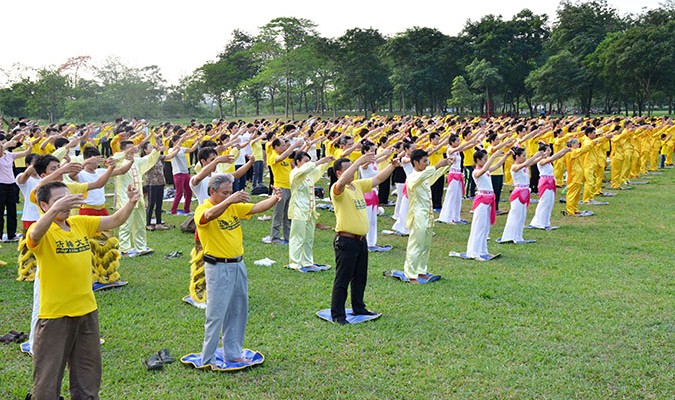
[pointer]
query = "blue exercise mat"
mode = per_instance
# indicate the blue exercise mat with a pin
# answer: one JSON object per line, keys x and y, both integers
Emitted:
{"x": 487, "y": 257}
{"x": 547, "y": 228}
{"x": 195, "y": 360}
{"x": 313, "y": 268}
{"x": 188, "y": 299}
{"x": 401, "y": 276}
{"x": 102, "y": 286}
{"x": 500, "y": 241}
{"x": 351, "y": 318}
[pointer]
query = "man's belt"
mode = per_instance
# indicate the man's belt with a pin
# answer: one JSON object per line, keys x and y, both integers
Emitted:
{"x": 214, "y": 260}
{"x": 351, "y": 235}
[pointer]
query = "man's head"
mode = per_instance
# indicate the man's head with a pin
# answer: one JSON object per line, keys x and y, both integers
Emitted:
{"x": 419, "y": 159}
{"x": 48, "y": 194}
{"x": 220, "y": 187}
{"x": 206, "y": 155}
{"x": 46, "y": 164}
{"x": 341, "y": 165}
{"x": 280, "y": 145}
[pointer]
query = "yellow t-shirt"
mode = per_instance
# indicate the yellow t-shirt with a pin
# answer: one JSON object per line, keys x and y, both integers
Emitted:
{"x": 222, "y": 237}
{"x": 350, "y": 207}
{"x": 281, "y": 171}
{"x": 256, "y": 150}
{"x": 436, "y": 157}
{"x": 65, "y": 268}
{"x": 468, "y": 156}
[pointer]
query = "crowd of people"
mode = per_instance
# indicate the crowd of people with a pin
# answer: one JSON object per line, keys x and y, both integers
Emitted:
{"x": 431, "y": 163}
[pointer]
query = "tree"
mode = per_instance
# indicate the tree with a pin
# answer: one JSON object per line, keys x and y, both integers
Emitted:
{"x": 49, "y": 95}
{"x": 580, "y": 28}
{"x": 556, "y": 80}
{"x": 485, "y": 77}
{"x": 362, "y": 74}
{"x": 462, "y": 98}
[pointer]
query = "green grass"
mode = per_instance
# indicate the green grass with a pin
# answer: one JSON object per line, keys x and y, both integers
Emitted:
{"x": 586, "y": 312}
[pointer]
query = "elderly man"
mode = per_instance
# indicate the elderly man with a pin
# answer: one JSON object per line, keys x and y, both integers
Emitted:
{"x": 218, "y": 222}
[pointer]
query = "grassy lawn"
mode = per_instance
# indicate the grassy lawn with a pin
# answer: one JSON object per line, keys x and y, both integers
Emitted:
{"x": 586, "y": 312}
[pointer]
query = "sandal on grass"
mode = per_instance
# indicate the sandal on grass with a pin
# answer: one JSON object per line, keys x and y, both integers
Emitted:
{"x": 153, "y": 363}
{"x": 165, "y": 357}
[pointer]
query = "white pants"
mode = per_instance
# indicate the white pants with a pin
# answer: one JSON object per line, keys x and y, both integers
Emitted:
{"x": 542, "y": 216}
{"x": 399, "y": 225}
{"x": 399, "y": 197}
{"x": 371, "y": 238}
{"x": 301, "y": 243}
{"x": 515, "y": 222}
{"x": 480, "y": 229}
{"x": 36, "y": 309}
{"x": 452, "y": 205}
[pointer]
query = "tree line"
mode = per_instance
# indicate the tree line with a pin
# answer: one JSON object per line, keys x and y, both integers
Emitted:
{"x": 589, "y": 60}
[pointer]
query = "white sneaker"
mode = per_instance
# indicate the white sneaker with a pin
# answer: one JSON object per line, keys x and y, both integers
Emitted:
{"x": 267, "y": 239}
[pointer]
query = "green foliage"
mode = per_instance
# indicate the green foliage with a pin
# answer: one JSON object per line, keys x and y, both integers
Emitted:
{"x": 462, "y": 98}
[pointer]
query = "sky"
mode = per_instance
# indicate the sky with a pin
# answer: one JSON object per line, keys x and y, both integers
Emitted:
{"x": 179, "y": 37}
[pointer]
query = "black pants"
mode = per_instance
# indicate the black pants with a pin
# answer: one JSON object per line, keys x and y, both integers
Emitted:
{"x": 351, "y": 266}
{"x": 534, "y": 179}
{"x": 8, "y": 203}
{"x": 155, "y": 199}
{"x": 437, "y": 193}
{"x": 168, "y": 173}
{"x": 383, "y": 192}
{"x": 106, "y": 150}
{"x": 239, "y": 183}
{"x": 497, "y": 184}
{"x": 470, "y": 183}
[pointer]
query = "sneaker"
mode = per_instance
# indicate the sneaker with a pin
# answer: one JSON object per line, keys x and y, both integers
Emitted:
{"x": 267, "y": 239}
{"x": 280, "y": 241}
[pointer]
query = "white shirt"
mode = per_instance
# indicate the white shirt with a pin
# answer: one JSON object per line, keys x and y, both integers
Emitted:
{"x": 95, "y": 197}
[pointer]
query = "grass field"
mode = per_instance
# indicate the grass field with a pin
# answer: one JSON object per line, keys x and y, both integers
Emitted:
{"x": 587, "y": 312}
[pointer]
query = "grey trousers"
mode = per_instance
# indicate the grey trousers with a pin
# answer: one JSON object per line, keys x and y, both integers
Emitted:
{"x": 226, "y": 309}
{"x": 72, "y": 340}
{"x": 280, "y": 217}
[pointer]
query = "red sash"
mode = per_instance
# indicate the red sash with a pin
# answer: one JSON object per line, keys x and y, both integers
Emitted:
{"x": 457, "y": 176}
{"x": 546, "y": 183}
{"x": 522, "y": 194}
{"x": 488, "y": 199}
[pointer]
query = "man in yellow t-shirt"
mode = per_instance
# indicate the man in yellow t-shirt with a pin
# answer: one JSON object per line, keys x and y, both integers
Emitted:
{"x": 218, "y": 222}
{"x": 351, "y": 227}
{"x": 67, "y": 330}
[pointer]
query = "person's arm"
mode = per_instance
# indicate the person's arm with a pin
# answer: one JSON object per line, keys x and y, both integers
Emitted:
{"x": 486, "y": 167}
{"x": 348, "y": 176}
{"x": 555, "y": 156}
{"x": 528, "y": 162}
{"x": 218, "y": 209}
{"x": 23, "y": 177}
{"x": 43, "y": 223}
{"x": 499, "y": 163}
{"x": 103, "y": 179}
{"x": 210, "y": 167}
{"x": 266, "y": 204}
{"x": 385, "y": 173}
{"x": 121, "y": 215}
{"x": 288, "y": 151}
{"x": 124, "y": 168}
{"x": 244, "y": 168}
{"x": 195, "y": 145}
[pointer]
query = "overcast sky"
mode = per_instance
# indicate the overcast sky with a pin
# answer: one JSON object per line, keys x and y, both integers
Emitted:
{"x": 181, "y": 36}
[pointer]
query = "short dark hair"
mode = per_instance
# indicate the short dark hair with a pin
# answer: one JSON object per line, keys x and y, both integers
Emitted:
{"x": 125, "y": 143}
{"x": 299, "y": 156}
{"x": 44, "y": 192}
{"x": 42, "y": 163}
{"x": 417, "y": 155}
{"x": 337, "y": 165}
{"x": 479, "y": 154}
{"x": 517, "y": 151}
{"x": 205, "y": 153}
{"x": 90, "y": 152}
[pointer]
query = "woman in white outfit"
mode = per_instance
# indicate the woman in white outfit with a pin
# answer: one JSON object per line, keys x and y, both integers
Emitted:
{"x": 452, "y": 205}
{"x": 520, "y": 196}
{"x": 399, "y": 226}
{"x": 547, "y": 186}
{"x": 483, "y": 204}
{"x": 372, "y": 199}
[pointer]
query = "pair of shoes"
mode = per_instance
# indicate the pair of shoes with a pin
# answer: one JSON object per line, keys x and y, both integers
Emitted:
{"x": 150, "y": 228}
{"x": 267, "y": 239}
{"x": 174, "y": 254}
{"x": 280, "y": 241}
{"x": 156, "y": 361}
{"x": 162, "y": 227}
{"x": 14, "y": 337}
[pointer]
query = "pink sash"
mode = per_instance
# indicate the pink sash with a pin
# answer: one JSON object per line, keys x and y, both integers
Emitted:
{"x": 457, "y": 176}
{"x": 522, "y": 194}
{"x": 546, "y": 183}
{"x": 488, "y": 199}
{"x": 405, "y": 190}
{"x": 371, "y": 198}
